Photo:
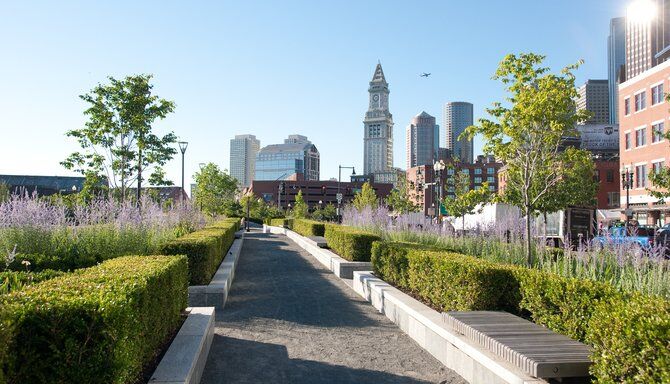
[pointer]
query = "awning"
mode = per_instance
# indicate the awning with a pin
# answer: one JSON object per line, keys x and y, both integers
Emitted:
{"x": 608, "y": 214}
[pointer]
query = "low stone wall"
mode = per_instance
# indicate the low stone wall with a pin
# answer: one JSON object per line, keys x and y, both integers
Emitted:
{"x": 428, "y": 328}
{"x": 184, "y": 361}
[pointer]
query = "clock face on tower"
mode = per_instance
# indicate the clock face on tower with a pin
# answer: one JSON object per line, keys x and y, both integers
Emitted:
{"x": 375, "y": 97}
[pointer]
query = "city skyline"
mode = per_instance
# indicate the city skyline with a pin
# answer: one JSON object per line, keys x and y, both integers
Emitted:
{"x": 258, "y": 74}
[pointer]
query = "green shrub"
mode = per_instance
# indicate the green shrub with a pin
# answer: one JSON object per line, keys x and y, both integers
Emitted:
{"x": 205, "y": 249}
{"x": 630, "y": 333}
{"x": 96, "y": 325}
{"x": 350, "y": 243}
{"x": 15, "y": 280}
{"x": 631, "y": 340}
{"x": 308, "y": 227}
{"x": 447, "y": 281}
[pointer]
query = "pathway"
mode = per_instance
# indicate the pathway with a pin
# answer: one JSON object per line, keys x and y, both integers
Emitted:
{"x": 289, "y": 320}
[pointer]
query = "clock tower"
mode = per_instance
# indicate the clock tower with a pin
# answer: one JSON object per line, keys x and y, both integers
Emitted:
{"x": 378, "y": 127}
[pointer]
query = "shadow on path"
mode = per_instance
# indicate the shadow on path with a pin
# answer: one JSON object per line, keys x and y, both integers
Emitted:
{"x": 257, "y": 362}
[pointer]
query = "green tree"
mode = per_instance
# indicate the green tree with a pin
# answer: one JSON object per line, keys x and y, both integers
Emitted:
{"x": 326, "y": 213}
{"x": 117, "y": 141}
{"x": 398, "y": 200}
{"x": 365, "y": 198}
{"x": 527, "y": 133}
{"x": 660, "y": 179}
{"x": 300, "y": 208}
{"x": 215, "y": 191}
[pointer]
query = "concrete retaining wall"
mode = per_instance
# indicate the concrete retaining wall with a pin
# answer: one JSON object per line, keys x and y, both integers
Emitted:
{"x": 185, "y": 359}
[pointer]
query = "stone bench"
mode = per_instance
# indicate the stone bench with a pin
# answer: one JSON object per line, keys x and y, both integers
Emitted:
{"x": 534, "y": 349}
{"x": 318, "y": 241}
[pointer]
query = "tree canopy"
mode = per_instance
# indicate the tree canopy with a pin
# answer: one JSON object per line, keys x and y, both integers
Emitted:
{"x": 215, "y": 191}
{"x": 365, "y": 198}
{"x": 528, "y": 133}
{"x": 118, "y": 142}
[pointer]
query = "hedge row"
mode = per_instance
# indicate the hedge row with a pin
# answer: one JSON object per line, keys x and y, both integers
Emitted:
{"x": 350, "y": 243}
{"x": 630, "y": 333}
{"x": 97, "y": 325}
{"x": 279, "y": 222}
{"x": 205, "y": 249}
{"x": 309, "y": 227}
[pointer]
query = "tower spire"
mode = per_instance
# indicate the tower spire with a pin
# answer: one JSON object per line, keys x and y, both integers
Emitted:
{"x": 379, "y": 74}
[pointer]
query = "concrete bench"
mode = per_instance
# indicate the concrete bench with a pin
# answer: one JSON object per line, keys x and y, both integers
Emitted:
{"x": 534, "y": 349}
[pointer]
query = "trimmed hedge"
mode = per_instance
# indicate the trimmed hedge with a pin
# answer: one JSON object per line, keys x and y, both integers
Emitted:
{"x": 309, "y": 227}
{"x": 97, "y": 325}
{"x": 630, "y": 333}
{"x": 280, "y": 222}
{"x": 350, "y": 243}
{"x": 205, "y": 249}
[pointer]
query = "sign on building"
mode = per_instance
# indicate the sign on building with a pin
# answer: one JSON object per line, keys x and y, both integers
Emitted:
{"x": 599, "y": 137}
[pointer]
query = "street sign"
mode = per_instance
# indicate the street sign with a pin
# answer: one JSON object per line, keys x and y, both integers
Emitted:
{"x": 339, "y": 198}
{"x": 629, "y": 213}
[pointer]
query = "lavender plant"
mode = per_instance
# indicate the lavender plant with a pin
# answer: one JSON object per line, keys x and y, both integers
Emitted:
{"x": 624, "y": 265}
{"x": 49, "y": 235}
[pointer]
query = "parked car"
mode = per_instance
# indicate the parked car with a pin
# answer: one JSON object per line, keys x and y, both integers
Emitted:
{"x": 642, "y": 236}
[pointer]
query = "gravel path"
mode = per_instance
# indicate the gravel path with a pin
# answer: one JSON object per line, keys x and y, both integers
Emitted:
{"x": 289, "y": 320}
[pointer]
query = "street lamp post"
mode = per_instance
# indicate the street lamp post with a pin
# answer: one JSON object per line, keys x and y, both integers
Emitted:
{"x": 438, "y": 167}
{"x": 182, "y": 147}
{"x": 246, "y": 221}
{"x": 627, "y": 182}
{"x": 339, "y": 180}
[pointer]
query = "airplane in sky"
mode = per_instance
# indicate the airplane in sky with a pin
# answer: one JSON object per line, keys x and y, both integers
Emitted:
{"x": 424, "y": 74}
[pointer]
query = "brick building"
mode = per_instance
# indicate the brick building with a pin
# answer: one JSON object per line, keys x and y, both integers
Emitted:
{"x": 643, "y": 117}
{"x": 423, "y": 189}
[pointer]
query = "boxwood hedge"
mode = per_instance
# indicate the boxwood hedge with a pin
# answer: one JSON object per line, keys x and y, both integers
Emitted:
{"x": 96, "y": 325}
{"x": 280, "y": 222}
{"x": 309, "y": 227}
{"x": 630, "y": 333}
{"x": 350, "y": 243}
{"x": 205, "y": 249}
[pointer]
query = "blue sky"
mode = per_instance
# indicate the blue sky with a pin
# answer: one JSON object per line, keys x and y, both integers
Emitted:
{"x": 272, "y": 68}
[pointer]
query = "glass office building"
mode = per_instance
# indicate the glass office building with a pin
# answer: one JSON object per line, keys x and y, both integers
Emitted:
{"x": 295, "y": 159}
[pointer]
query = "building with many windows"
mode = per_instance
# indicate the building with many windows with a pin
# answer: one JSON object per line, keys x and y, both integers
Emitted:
{"x": 243, "y": 151}
{"x": 643, "y": 121}
{"x": 616, "y": 63}
{"x": 647, "y": 35}
{"x": 457, "y": 116}
{"x": 296, "y": 159}
{"x": 424, "y": 185}
{"x": 378, "y": 127}
{"x": 423, "y": 137}
{"x": 594, "y": 97}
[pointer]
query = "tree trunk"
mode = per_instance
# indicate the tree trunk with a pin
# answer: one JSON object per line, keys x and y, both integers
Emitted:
{"x": 529, "y": 254}
{"x": 139, "y": 175}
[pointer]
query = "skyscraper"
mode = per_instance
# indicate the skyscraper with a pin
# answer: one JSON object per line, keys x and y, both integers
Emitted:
{"x": 456, "y": 117}
{"x": 423, "y": 137}
{"x": 616, "y": 61}
{"x": 647, "y": 35}
{"x": 296, "y": 159}
{"x": 378, "y": 127}
{"x": 243, "y": 150}
{"x": 594, "y": 97}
